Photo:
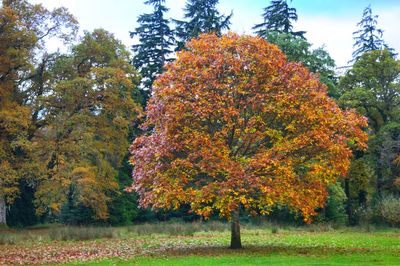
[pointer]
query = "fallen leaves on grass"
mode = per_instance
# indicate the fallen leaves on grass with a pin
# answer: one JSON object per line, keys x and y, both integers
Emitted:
{"x": 57, "y": 252}
{"x": 204, "y": 244}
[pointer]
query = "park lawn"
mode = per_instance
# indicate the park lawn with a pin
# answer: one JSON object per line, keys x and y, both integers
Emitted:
{"x": 165, "y": 244}
{"x": 261, "y": 259}
{"x": 287, "y": 247}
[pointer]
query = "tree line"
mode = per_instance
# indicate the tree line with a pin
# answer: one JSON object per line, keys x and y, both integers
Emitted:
{"x": 67, "y": 119}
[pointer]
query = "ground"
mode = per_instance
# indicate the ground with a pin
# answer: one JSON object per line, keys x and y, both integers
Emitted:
{"x": 199, "y": 244}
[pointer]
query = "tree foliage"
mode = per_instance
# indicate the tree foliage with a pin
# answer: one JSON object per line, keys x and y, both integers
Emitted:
{"x": 201, "y": 16}
{"x": 156, "y": 39}
{"x": 372, "y": 86}
{"x": 24, "y": 28}
{"x": 87, "y": 118}
{"x": 270, "y": 136}
{"x": 298, "y": 49}
{"x": 278, "y": 17}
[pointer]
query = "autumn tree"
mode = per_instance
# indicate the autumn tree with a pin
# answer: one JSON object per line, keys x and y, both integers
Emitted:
{"x": 154, "y": 47}
{"x": 87, "y": 116}
{"x": 278, "y": 17}
{"x": 235, "y": 127}
{"x": 24, "y": 29}
{"x": 201, "y": 16}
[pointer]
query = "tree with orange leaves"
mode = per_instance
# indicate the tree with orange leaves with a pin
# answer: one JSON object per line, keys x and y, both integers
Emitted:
{"x": 234, "y": 126}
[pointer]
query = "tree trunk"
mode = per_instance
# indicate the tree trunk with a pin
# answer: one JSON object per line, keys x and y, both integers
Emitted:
{"x": 349, "y": 210}
{"x": 235, "y": 231}
{"x": 2, "y": 211}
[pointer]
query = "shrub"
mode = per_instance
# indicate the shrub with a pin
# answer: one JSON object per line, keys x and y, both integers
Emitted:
{"x": 388, "y": 208}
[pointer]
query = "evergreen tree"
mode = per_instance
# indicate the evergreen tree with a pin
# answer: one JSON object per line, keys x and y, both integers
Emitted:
{"x": 155, "y": 38}
{"x": 123, "y": 208}
{"x": 278, "y": 17}
{"x": 368, "y": 37}
{"x": 201, "y": 16}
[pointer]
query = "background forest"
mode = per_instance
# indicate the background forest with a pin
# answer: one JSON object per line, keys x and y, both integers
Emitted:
{"x": 67, "y": 119}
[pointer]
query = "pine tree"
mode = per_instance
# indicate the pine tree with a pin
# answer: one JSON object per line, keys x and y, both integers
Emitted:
{"x": 278, "y": 17}
{"x": 155, "y": 38}
{"x": 368, "y": 37}
{"x": 201, "y": 16}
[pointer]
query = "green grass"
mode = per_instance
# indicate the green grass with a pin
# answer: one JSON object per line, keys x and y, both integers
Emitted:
{"x": 202, "y": 244}
{"x": 261, "y": 259}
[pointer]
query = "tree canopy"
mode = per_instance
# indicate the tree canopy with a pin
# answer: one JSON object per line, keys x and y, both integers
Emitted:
{"x": 87, "y": 117}
{"x": 270, "y": 136}
{"x": 372, "y": 86}
{"x": 23, "y": 31}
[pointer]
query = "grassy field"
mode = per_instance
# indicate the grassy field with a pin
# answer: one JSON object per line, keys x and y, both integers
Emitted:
{"x": 199, "y": 244}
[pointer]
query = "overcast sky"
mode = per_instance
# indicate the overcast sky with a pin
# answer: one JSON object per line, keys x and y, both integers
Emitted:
{"x": 327, "y": 22}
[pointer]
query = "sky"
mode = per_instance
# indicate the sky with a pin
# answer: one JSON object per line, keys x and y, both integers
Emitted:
{"x": 328, "y": 23}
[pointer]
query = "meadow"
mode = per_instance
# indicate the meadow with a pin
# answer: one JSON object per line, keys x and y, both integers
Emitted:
{"x": 175, "y": 243}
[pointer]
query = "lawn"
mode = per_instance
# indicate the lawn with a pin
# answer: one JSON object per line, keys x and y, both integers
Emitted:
{"x": 200, "y": 244}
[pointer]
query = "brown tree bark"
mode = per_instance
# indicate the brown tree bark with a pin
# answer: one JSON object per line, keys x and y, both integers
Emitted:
{"x": 2, "y": 211}
{"x": 235, "y": 231}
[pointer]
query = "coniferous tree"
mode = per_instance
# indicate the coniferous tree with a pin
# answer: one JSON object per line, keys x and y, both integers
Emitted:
{"x": 155, "y": 38}
{"x": 368, "y": 37}
{"x": 201, "y": 16}
{"x": 278, "y": 17}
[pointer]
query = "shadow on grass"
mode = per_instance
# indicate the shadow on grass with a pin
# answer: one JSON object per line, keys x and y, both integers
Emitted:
{"x": 257, "y": 250}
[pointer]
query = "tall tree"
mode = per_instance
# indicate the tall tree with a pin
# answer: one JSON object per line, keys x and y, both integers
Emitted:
{"x": 372, "y": 86}
{"x": 201, "y": 16}
{"x": 154, "y": 48}
{"x": 87, "y": 118}
{"x": 368, "y": 37}
{"x": 278, "y": 16}
{"x": 23, "y": 29}
{"x": 270, "y": 136}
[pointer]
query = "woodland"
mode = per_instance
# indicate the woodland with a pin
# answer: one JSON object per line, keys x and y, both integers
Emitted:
{"x": 194, "y": 124}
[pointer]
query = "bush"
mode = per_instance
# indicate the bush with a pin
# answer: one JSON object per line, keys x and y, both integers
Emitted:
{"x": 364, "y": 215}
{"x": 388, "y": 208}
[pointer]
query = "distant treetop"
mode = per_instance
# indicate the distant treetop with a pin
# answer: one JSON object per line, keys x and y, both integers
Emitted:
{"x": 202, "y": 16}
{"x": 278, "y": 17}
{"x": 368, "y": 37}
